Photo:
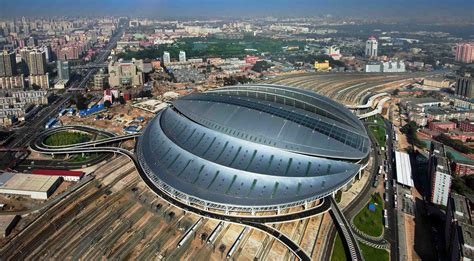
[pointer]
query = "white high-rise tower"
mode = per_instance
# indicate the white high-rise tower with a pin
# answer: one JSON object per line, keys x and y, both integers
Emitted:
{"x": 371, "y": 47}
{"x": 182, "y": 56}
{"x": 166, "y": 58}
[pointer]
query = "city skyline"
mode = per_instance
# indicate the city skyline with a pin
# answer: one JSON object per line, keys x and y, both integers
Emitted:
{"x": 434, "y": 10}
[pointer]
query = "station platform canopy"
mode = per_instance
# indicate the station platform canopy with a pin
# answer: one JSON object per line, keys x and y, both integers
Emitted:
{"x": 403, "y": 168}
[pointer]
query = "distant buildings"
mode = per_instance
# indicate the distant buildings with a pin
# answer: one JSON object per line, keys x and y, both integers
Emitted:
{"x": 7, "y": 64}
{"x": 385, "y": 67}
{"x": 334, "y": 52}
{"x": 126, "y": 73}
{"x": 465, "y": 53}
{"x": 166, "y": 58}
{"x": 371, "y": 47}
{"x": 458, "y": 232}
{"x": 436, "y": 82}
{"x": 322, "y": 66}
{"x": 464, "y": 87}
{"x": 63, "y": 70}
{"x": 182, "y": 56}
{"x": 439, "y": 170}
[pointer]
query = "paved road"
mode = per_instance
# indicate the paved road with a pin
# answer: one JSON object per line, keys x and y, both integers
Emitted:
{"x": 345, "y": 230}
{"x": 391, "y": 234}
{"x": 356, "y": 204}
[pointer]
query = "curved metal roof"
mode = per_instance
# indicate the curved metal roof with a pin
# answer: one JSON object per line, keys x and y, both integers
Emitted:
{"x": 236, "y": 149}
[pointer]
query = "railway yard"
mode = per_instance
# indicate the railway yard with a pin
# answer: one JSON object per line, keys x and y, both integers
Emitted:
{"x": 116, "y": 216}
{"x": 346, "y": 88}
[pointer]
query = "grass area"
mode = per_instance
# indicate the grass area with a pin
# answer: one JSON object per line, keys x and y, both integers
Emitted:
{"x": 338, "y": 196}
{"x": 67, "y": 138}
{"x": 376, "y": 119}
{"x": 87, "y": 157}
{"x": 371, "y": 223}
{"x": 101, "y": 137}
{"x": 210, "y": 47}
{"x": 373, "y": 254}
{"x": 379, "y": 134}
{"x": 338, "y": 253}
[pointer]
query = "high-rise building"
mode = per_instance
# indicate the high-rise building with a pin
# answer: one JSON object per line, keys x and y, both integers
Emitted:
{"x": 439, "y": 170}
{"x": 126, "y": 73}
{"x": 37, "y": 62}
{"x": 39, "y": 81}
{"x": 464, "y": 87}
{"x": 166, "y": 58}
{"x": 63, "y": 70}
{"x": 465, "y": 53}
{"x": 32, "y": 42}
{"x": 371, "y": 47}
{"x": 25, "y": 60}
{"x": 7, "y": 64}
{"x": 100, "y": 80}
{"x": 459, "y": 240}
{"x": 182, "y": 56}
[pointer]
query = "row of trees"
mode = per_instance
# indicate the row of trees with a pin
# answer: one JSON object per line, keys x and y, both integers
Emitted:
{"x": 410, "y": 131}
{"x": 455, "y": 144}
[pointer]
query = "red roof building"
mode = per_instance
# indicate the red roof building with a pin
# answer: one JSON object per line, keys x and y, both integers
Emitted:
{"x": 67, "y": 175}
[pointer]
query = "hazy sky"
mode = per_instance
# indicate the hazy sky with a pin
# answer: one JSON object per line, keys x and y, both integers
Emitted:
{"x": 238, "y": 8}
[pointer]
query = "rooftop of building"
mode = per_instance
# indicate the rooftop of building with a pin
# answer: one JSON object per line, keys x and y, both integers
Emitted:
{"x": 26, "y": 182}
{"x": 5, "y": 221}
{"x": 467, "y": 232}
{"x": 420, "y": 100}
{"x": 461, "y": 208}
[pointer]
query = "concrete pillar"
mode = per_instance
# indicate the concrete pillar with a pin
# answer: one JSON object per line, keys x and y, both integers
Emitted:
{"x": 226, "y": 210}
{"x": 305, "y": 204}
{"x": 278, "y": 210}
{"x": 253, "y": 212}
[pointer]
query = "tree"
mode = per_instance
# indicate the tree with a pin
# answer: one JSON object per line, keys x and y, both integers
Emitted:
{"x": 107, "y": 104}
{"x": 80, "y": 101}
{"x": 122, "y": 100}
{"x": 35, "y": 87}
{"x": 222, "y": 248}
{"x": 396, "y": 92}
{"x": 410, "y": 131}
{"x": 261, "y": 66}
{"x": 203, "y": 237}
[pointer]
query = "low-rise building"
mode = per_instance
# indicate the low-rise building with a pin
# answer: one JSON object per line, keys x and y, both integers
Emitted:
{"x": 8, "y": 223}
{"x": 442, "y": 125}
{"x": 67, "y": 175}
{"x": 437, "y": 82}
{"x": 385, "y": 67}
{"x": 466, "y": 126}
{"x": 34, "y": 186}
{"x": 462, "y": 168}
{"x": 322, "y": 66}
{"x": 126, "y": 73}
